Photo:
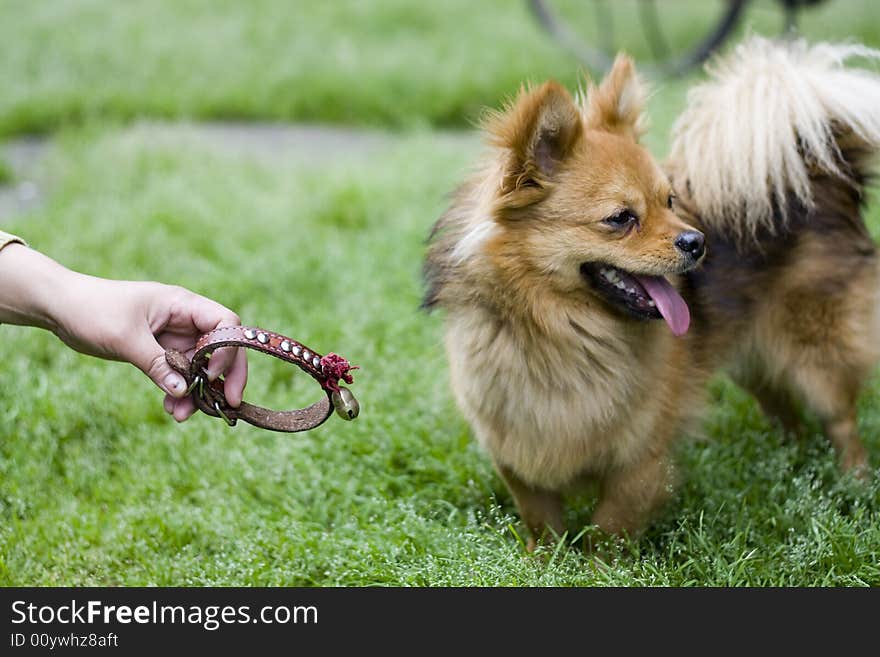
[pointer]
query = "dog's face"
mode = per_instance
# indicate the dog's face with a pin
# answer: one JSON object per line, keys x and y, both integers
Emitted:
{"x": 587, "y": 208}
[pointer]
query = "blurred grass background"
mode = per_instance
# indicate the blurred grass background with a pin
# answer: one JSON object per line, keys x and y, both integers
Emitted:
{"x": 98, "y": 486}
{"x": 380, "y": 62}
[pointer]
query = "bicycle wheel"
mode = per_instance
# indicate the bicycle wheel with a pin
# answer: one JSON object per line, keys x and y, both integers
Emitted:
{"x": 666, "y": 37}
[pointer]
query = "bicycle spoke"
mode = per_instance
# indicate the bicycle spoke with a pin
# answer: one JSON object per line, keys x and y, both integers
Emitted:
{"x": 668, "y": 56}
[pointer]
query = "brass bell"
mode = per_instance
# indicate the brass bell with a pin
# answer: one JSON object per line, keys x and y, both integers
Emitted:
{"x": 346, "y": 405}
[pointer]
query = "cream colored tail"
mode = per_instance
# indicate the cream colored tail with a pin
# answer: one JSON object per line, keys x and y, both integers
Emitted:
{"x": 771, "y": 115}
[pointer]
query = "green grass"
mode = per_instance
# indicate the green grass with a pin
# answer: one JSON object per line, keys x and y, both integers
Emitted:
{"x": 397, "y": 63}
{"x": 99, "y": 486}
{"x": 382, "y": 62}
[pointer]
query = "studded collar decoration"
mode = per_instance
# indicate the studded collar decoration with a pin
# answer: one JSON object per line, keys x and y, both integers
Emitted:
{"x": 209, "y": 398}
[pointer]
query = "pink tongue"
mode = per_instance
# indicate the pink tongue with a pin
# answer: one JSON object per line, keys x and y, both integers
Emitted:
{"x": 669, "y": 303}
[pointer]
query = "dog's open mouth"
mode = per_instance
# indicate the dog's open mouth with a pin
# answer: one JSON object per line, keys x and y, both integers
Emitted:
{"x": 646, "y": 297}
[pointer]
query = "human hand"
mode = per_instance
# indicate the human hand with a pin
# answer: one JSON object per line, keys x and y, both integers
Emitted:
{"x": 137, "y": 321}
{"x": 120, "y": 320}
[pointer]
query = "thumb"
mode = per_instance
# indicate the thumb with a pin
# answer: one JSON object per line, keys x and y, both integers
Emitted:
{"x": 149, "y": 357}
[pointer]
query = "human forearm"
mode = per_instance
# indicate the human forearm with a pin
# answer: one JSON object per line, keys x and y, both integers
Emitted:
{"x": 30, "y": 286}
{"x": 131, "y": 321}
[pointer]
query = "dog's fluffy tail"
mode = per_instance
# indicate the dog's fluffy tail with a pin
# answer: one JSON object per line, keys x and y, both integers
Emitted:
{"x": 772, "y": 115}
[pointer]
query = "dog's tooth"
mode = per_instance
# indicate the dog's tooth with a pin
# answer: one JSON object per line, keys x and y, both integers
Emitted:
{"x": 651, "y": 303}
{"x": 621, "y": 285}
{"x": 631, "y": 290}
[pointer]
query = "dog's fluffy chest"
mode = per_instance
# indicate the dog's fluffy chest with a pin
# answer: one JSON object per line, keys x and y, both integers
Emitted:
{"x": 551, "y": 405}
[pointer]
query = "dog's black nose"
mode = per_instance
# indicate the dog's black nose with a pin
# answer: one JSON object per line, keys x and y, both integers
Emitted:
{"x": 691, "y": 242}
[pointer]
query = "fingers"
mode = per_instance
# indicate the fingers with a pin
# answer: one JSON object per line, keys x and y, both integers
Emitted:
{"x": 229, "y": 362}
{"x": 221, "y": 361}
{"x": 148, "y": 356}
{"x": 180, "y": 409}
{"x": 188, "y": 316}
{"x": 207, "y": 315}
{"x": 236, "y": 378}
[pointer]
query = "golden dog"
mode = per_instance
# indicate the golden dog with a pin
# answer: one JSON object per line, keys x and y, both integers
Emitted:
{"x": 557, "y": 258}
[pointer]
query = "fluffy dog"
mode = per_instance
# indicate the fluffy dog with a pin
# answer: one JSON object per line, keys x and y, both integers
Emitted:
{"x": 559, "y": 256}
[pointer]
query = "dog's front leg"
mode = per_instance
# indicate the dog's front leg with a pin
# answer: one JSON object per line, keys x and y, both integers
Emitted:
{"x": 540, "y": 509}
{"x": 629, "y": 495}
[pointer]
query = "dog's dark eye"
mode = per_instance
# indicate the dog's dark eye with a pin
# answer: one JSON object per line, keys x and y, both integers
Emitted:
{"x": 670, "y": 200}
{"x": 622, "y": 219}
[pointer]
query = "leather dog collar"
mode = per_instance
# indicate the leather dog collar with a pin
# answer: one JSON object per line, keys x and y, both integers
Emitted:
{"x": 210, "y": 399}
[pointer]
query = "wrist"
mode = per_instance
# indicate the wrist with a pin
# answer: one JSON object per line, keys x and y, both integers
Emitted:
{"x": 32, "y": 287}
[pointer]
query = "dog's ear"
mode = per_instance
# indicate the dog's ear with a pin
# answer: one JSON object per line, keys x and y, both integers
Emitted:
{"x": 618, "y": 104}
{"x": 538, "y": 132}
